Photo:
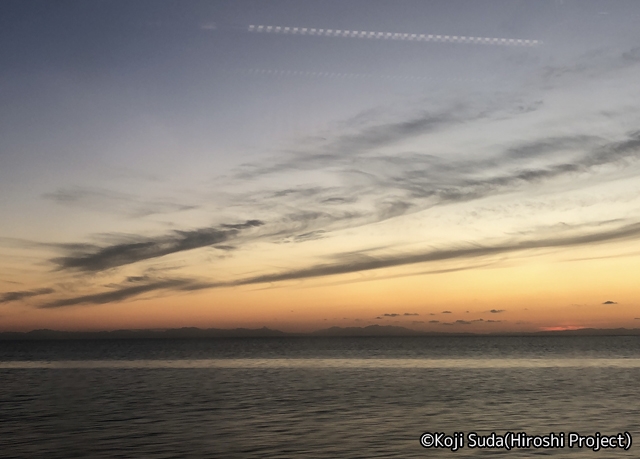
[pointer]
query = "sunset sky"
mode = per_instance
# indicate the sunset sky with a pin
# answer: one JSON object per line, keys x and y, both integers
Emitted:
{"x": 438, "y": 165}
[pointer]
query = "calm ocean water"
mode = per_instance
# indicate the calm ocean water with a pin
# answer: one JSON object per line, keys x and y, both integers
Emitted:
{"x": 312, "y": 397}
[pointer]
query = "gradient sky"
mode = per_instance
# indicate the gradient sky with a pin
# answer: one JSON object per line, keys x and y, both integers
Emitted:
{"x": 440, "y": 165}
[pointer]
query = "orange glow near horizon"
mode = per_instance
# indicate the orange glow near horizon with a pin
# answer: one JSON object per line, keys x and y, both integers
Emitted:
{"x": 511, "y": 296}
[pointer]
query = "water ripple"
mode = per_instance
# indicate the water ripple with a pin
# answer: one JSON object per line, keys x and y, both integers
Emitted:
{"x": 325, "y": 363}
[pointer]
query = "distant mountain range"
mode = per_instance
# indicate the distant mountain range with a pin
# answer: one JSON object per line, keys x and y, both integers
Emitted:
{"x": 370, "y": 331}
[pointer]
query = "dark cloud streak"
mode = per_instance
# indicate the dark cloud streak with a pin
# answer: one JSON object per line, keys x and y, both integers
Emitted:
{"x": 21, "y": 295}
{"x": 117, "y": 294}
{"x": 368, "y": 263}
{"x": 116, "y": 255}
{"x": 624, "y": 232}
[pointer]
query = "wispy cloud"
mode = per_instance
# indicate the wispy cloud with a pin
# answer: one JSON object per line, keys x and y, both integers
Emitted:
{"x": 103, "y": 200}
{"x": 373, "y": 185}
{"x": 92, "y": 259}
{"x": 425, "y": 182}
{"x": 475, "y": 251}
{"x": 341, "y": 149}
{"x": 119, "y": 294}
{"x": 386, "y": 185}
{"x": 23, "y": 294}
{"x": 369, "y": 263}
{"x": 592, "y": 64}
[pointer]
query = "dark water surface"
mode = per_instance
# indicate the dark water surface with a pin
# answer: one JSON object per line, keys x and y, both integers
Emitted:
{"x": 312, "y": 397}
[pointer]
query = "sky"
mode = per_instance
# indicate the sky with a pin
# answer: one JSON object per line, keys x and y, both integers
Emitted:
{"x": 448, "y": 166}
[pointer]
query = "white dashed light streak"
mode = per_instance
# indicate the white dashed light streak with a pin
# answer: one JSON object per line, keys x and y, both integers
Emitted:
{"x": 392, "y": 36}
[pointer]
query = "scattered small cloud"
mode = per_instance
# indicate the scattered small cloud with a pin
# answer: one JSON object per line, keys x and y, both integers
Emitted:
{"x": 434, "y": 321}
{"x": 224, "y": 247}
{"x": 137, "y": 278}
{"x": 463, "y": 322}
{"x": 411, "y": 314}
{"x": 496, "y": 311}
{"x": 391, "y": 315}
{"x": 610, "y": 302}
{"x": 446, "y": 312}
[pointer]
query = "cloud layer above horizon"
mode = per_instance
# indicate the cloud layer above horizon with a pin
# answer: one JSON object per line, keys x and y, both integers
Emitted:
{"x": 147, "y": 173}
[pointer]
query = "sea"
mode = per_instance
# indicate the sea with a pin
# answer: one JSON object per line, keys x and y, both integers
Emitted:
{"x": 364, "y": 397}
